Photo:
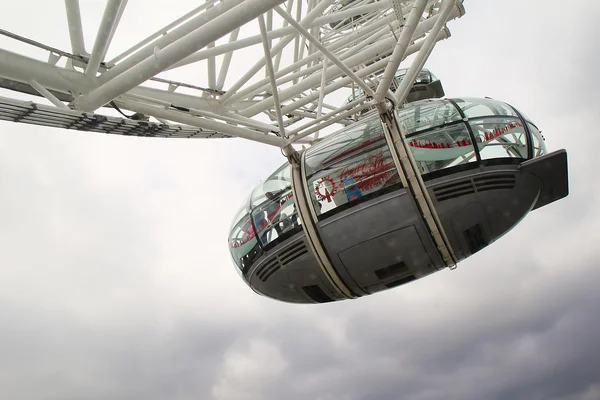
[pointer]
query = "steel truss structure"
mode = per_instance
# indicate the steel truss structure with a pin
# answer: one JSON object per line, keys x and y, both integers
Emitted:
{"x": 310, "y": 49}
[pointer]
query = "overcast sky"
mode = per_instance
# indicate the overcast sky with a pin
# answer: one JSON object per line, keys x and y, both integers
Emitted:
{"x": 116, "y": 281}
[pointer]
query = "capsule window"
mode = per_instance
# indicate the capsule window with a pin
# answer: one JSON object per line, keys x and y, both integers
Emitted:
{"x": 539, "y": 145}
{"x": 443, "y": 147}
{"x": 349, "y": 166}
{"x": 243, "y": 245}
{"x": 274, "y": 212}
{"x": 427, "y": 114}
{"x": 475, "y": 108}
{"x": 500, "y": 137}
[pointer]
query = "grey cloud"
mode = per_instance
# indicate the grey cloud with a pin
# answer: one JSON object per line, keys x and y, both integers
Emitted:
{"x": 536, "y": 342}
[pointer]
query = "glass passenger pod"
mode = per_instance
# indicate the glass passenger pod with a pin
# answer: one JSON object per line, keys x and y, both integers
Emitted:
{"x": 425, "y": 86}
{"x": 350, "y": 166}
{"x": 355, "y": 164}
{"x": 448, "y": 133}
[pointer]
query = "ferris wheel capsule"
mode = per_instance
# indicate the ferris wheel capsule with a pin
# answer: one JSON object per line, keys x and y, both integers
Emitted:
{"x": 483, "y": 168}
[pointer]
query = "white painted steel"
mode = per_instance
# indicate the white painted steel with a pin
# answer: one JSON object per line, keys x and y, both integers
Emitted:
{"x": 380, "y": 49}
{"x": 325, "y": 52}
{"x": 277, "y": 48}
{"x": 397, "y": 56}
{"x": 163, "y": 58}
{"x": 44, "y": 92}
{"x": 105, "y": 30}
{"x": 75, "y": 28}
{"x": 271, "y": 74}
{"x": 424, "y": 53}
{"x": 161, "y": 32}
{"x": 315, "y": 51}
{"x": 227, "y": 60}
{"x": 168, "y": 39}
{"x": 185, "y": 118}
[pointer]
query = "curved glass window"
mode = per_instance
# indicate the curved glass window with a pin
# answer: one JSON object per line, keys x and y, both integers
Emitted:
{"x": 349, "y": 165}
{"x": 442, "y": 147}
{"x": 273, "y": 207}
{"x": 499, "y": 137}
{"x": 426, "y": 114}
{"x": 473, "y": 108}
{"x": 425, "y": 76}
{"x": 539, "y": 144}
{"x": 243, "y": 245}
{"x": 439, "y": 137}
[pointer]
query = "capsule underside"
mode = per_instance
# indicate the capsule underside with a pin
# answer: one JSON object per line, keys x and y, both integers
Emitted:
{"x": 482, "y": 164}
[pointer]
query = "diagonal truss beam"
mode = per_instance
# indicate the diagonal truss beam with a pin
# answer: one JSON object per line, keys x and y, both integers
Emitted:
{"x": 75, "y": 28}
{"x": 406, "y": 36}
{"x": 163, "y": 58}
{"x": 364, "y": 56}
{"x": 311, "y": 16}
{"x": 112, "y": 13}
{"x": 271, "y": 74}
{"x": 310, "y": 49}
{"x": 424, "y": 52}
{"x": 173, "y": 36}
{"x": 325, "y": 51}
{"x": 161, "y": 32}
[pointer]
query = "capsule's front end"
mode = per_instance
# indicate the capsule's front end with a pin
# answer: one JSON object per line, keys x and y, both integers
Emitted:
{"x": 485, "y": 165}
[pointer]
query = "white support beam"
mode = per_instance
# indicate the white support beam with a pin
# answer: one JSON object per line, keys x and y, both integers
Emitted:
{"x": 346, "y": 81}
{"x": 346, "y": 107}
{"x": 270, "y": 25}
{"x": 363, "y": 57}
{"x": 66, "y": 80}
{"x": 277, "y": 33}
{"x": 297, "y": 38}
{"x": 109, "y": 19}
{"x": 276, "y": 49}
{"x": 211, "y": 67}
{"x": 230, "y": 118}
{"x": 424, "y": 52}
{"x": 315, "y": 126}
{"x": 284, "y": 26}
{"x": 163, "y": 58}
{"x": 168, "y": 39}
{"x": 226, "y": 61}
{"x": 283, "y": 74}
{"x": 20, "y": 68}
{"x": 404, "y": 40}
{"x": 322, "y": 93}
{"x": 232, "y": 46}
{"x": 159, "y": 33}
{"x": 351, "y": 12}
{"x": 49, "y": 96}
{"x": 328, "y": 54}
{"x": 75, "y": 28}
{"x": 116, "y": 24}
{"x": 271, "y": 74}
{"x": 203, "y": 123}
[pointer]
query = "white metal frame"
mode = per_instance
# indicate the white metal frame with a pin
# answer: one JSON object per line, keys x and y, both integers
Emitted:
{"x": 311, "y": 49}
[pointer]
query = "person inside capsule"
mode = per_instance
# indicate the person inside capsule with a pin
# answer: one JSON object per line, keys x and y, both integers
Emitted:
{"x": 270, "y": 215}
